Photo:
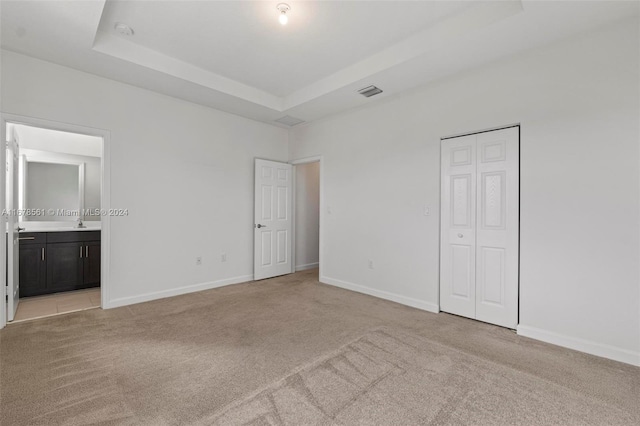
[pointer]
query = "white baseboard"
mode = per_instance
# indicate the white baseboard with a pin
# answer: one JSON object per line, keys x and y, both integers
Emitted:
{"x": 146, "y": 297}
{"x": 307, "y": 266}
{"x": 587, "y": 346}
{"x": 403, "y": 300}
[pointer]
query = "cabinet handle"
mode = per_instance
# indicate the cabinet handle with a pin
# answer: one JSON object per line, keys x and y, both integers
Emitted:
{"x": 86, "y": 251}
{"x": 43, "y": 254}
{"x": 80, "y": 252}
{"x": 26, "y": 238}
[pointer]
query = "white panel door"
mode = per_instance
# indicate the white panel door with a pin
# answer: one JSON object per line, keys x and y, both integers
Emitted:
{"x": 273, "y": 222}
{"x": 458, "y": 223}
{"x": 13, "y": 279}
{"x": 480, "y": 226}
{"x": 498, "y": 227}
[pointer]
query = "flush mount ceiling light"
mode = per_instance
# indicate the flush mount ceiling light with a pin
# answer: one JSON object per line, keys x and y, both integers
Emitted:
{"x": 123, "y": 29}
{"x": 283, "y": 8}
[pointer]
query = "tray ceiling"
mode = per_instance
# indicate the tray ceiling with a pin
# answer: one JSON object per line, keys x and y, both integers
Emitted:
{"x": 235, "y": 56}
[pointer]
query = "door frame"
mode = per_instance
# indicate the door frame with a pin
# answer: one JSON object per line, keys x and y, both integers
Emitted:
{"x": 457, "y": 135}
{"x": 294, "y": 163}
{"x": 105, "y": 198}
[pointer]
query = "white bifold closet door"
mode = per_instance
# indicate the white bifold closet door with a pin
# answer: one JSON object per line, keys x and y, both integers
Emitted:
{"x": 480, "y": 226}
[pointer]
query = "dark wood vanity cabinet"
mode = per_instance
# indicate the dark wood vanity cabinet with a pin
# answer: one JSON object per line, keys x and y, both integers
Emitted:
{"x": 51, "y": 262}
{"x": 64, "y": 266}
{"x": 33, "y": 265}
{"x": 91, "y": 264}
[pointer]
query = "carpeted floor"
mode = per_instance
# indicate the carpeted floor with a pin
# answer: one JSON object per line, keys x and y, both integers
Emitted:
{"x": 292, "y": 351}
{"x": 390, "y": 377}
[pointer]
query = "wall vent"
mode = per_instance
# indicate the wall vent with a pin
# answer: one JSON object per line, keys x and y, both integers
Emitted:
{"x": 287, "y": 120}
{"x": 369, "y": 91}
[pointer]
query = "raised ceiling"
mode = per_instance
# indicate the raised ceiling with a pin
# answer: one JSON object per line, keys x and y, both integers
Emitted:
{"x": 244, "y": 41}
{"x": 235, "y": 56}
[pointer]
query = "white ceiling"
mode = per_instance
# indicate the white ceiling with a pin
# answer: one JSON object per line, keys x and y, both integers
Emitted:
{"x": 235, "y": 56}
{"x": 244, "y": 41}
{"x": 36, "y": 138}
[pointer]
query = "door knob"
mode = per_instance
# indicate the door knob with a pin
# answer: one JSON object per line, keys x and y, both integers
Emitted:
{"x": 260, "y": 226}
{"x": 460, "y": 235}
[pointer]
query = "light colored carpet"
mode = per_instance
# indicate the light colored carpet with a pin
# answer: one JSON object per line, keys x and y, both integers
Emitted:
{"x": 313, "y": 351}
{"x": 390, "y": 377}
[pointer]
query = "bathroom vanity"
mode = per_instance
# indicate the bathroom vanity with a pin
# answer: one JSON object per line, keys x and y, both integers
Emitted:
{"x": 56, "y": 261}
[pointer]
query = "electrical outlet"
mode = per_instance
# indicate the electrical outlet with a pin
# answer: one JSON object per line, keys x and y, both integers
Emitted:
{"x": 370, "y": 264}
{"x": 223, "y": 257}
{"x": 198, "y": 261}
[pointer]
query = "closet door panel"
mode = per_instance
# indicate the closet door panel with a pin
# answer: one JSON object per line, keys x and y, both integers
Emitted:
{"x": 458, "y": 221}
{"x": 498, "y": 227}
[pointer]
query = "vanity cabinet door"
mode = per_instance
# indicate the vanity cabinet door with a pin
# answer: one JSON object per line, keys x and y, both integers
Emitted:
{"x": 33, "y": 269}
{"x": 64, "y": 266}
{"x": 92, "y": 264}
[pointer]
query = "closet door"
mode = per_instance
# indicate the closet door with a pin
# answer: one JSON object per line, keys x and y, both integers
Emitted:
{"x": 458, "y": 226}
{"x": 497, "y": 227}
{"x": 480, "y": 226}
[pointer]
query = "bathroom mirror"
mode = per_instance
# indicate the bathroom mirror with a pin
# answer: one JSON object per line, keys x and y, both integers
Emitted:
{"x": 51, "y": 190}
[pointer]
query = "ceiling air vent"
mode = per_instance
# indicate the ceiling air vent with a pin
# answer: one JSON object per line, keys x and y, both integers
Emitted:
{"x": 287, "y": 120}
{"x": 369, "y": 91}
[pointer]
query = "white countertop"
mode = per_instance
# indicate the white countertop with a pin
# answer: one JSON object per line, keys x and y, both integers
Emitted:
{"x": 59, "y": 229}
{"x": 41, "y": 226}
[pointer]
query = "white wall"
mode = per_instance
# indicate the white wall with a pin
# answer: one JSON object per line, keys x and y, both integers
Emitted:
{"x": 307, "y": 215}
{"x": 578, "y": 103}
{"x": 185, "y": 172}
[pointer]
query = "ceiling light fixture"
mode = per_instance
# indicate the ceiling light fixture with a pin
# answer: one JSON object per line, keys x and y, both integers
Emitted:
{"x": 283, "y": 8}
{"x": 123, "y": 29}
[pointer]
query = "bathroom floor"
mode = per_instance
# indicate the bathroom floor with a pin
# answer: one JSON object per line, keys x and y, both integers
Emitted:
{"x": 56, "y": 304}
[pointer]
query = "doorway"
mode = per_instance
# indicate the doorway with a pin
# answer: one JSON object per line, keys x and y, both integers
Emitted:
{"x": 288, "y": 217}
{"x": 56, "y": 207}
{"x": 479, "y": 237}
{"x": 307, "y": 216}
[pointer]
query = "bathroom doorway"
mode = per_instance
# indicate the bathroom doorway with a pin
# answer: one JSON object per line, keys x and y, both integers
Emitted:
{"x": 56, "y": 211}
{"x": 307, "y": 215}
